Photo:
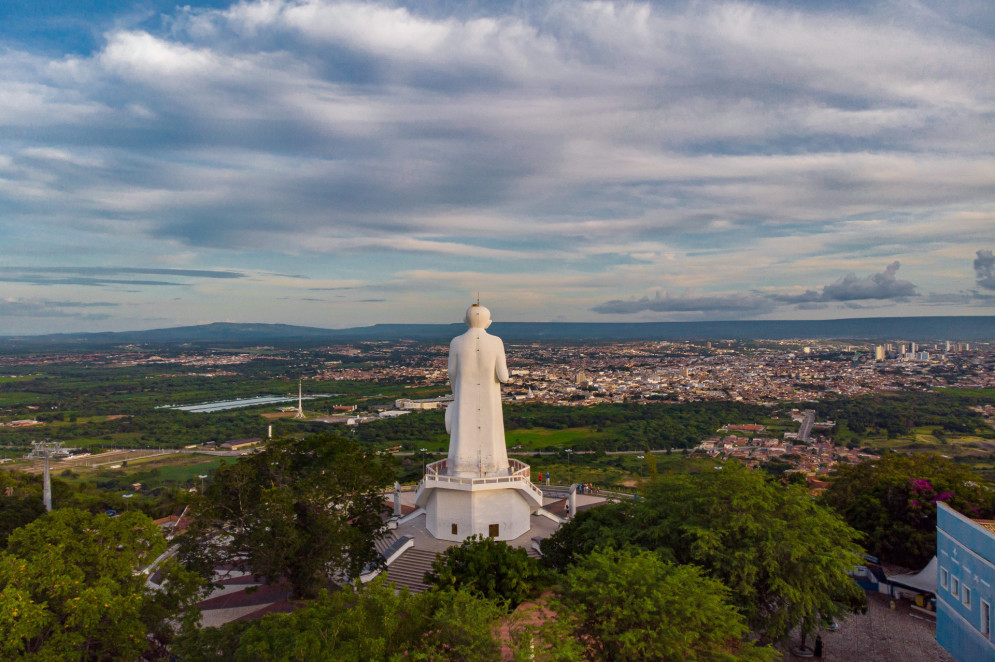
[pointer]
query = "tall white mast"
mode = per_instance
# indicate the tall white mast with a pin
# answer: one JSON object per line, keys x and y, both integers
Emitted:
{"x": 45, "y": 449}
{"x": 46, "y": 488}
{"x": 300, "y": 401}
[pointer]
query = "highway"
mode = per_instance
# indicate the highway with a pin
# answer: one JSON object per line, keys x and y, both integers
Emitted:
{"x": 110, "y": 458}
{"x": 806, "y": 428}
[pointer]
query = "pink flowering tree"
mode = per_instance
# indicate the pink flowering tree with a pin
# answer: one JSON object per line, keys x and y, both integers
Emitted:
{"x": 892, "y": 500}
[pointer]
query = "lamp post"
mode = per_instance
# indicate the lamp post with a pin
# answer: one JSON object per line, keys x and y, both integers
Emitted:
{"x": 202, "y": 477}
{"x": 568, "y": 452}
{"x": 641, "y": 467}
{"x": 423, "y": 451}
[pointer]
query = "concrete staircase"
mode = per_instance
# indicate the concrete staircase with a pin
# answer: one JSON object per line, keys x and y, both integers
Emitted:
{"x": 409, "y": 569}
{"x": 382, "y": 544}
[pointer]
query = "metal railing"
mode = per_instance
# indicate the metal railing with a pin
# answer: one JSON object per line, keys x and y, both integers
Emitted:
{"x": 563, "y": 491}
{"x": 519, "y": 473}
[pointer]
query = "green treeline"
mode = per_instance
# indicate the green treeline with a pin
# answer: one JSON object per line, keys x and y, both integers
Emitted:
{"x": 898, "y": 414}
{"x": 637, "y": 426}
{"x": 73, "y": 402}
{"x": 408, "y": 431}
{"x": 617, "y": 426}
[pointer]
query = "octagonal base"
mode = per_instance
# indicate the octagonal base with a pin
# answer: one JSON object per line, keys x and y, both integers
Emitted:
{"x": 502, "y": 514}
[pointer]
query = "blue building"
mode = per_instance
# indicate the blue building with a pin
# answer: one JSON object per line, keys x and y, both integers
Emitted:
{"x": 965, "y": 588}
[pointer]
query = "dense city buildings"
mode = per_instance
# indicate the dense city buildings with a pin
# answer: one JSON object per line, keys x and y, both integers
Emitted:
{"x": 757, "y": 372}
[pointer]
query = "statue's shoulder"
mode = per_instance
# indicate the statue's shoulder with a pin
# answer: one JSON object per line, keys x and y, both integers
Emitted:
{"x": 493, "y": 341}
{"x": 460, "y": 340}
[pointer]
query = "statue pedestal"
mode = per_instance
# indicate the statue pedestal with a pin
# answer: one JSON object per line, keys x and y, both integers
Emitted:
{"x": 458, "y": 507}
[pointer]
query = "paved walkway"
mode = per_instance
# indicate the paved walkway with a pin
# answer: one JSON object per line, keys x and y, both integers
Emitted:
{"x": 881, "y": 635}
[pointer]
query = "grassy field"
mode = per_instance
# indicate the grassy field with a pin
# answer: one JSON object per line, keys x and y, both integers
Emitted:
{"x": 924, "y": 439}
{"x": 17, "y": 398}
{"x": 184, "y": 472}
{"x": 608, "y": 471}
{"x": 155, "y": 471}
{"x": 537, "y": 439}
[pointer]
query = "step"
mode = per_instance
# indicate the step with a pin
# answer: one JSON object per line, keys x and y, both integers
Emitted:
{"x": 383, "y": 543}
{"x": 409, "y": 569}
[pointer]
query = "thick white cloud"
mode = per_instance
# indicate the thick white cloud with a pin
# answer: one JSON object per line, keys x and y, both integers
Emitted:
{"x": 602, "y": 148}
{"x": 885, "y": 285}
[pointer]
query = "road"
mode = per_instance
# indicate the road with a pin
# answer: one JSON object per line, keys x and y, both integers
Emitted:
{"x": 807, "y": 423}
{"x": 110, "y": 458}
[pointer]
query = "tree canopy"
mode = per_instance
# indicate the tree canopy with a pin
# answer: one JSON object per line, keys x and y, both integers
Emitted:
{"x": 488, "y": 568}
{"x": 17, "y": 510}
{"x": 305, "y": 511}
{"x": 892, "y": 500}
{"x": 784, "y": 557}
{"x": 70, "y": 590}
{"x": 371, "y": 624}
{"x": 631, "y": 606}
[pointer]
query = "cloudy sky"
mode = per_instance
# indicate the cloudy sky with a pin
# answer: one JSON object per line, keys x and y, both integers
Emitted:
{"x": 336, "y": 163}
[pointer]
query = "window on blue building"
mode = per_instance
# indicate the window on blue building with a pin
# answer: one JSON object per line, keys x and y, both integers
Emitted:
{"x": 955, "y": 586}
{"x": 966, "y": 598}
{"x": 986, "y": 619}
{"x": 944, "y": 578}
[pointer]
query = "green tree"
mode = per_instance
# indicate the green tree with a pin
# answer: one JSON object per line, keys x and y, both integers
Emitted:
{"x": 611, "y": 525}
{"x": 20, "y": 502}
{"x": 16, "y": 512}
{"x": 892, "y": 500}
{"x": 371, "y": 624}
{"x": 651, "y": 469}
{"x": 489, "y": 568}
{"x": 304, "y": 511}
{"x": 784, "y": 557}
{"x": 631, "y": 606}
{"x": 70, "y": 589}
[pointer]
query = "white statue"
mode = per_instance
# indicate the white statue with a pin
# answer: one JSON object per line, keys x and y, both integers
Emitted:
{"x": 480, "y": 491}
{"x": 477, "y": 366}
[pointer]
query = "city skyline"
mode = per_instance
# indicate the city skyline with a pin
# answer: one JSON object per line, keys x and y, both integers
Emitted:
{"x": 338, "y": 164}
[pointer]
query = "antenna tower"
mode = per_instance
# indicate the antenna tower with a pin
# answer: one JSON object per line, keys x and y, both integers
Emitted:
{"x": 45, "y": 449}
{"x": 300, "y": 401}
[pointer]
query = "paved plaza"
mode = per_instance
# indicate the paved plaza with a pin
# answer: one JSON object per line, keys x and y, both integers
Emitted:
{"x": 882, "y": 635}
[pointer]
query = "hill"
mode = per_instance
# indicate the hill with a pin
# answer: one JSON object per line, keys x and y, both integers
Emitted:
{"x": 877, "y": 328}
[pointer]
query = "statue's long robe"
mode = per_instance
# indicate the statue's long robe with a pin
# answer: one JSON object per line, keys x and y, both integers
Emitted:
{"x": 477, "y": 366}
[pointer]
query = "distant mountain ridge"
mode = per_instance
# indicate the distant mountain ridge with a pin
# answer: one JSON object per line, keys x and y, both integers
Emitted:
{"x": 876, "y": 328}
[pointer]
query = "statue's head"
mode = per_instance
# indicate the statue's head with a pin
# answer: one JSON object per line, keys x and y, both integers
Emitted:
{"x": 478, "y": 317}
